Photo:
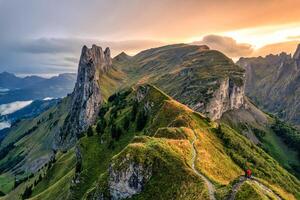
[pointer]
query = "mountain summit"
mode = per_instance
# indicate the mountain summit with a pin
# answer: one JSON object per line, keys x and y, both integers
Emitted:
{"x": 86, "y": 97}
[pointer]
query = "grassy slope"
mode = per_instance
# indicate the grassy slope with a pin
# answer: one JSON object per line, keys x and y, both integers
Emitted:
{"x": 258, "y": 124}
{"x": 182, "y": 71}
{"x": 164, "y": 142}
{"x": 249, "y": 190}
{"x": 55, "y": 179}
{"x": 35, "y": 148}
{"x": 165, "y": 151}
{"x": 185, "y": 73}
{"x": 56, "y": 183}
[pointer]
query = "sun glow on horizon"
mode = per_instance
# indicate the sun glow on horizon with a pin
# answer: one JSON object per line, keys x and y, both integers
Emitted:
{"x": 260, "y": 36}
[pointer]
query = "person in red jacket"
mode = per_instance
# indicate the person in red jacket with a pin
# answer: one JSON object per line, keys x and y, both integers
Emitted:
{"x": 248, "y": 173}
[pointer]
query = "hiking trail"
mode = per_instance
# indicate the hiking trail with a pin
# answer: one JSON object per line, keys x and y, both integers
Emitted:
{"x": 242, "y": 179}
{"x": 210, "y": 186}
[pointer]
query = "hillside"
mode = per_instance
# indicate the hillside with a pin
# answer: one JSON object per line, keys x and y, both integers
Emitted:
{"x": 28, "y": 146}
{"x": 167, "y": 123}
{"x": 185, "y": 73}
{"x": 176, "y": 149}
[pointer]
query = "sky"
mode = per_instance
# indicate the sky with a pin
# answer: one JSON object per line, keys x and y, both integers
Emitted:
{"x": 46, "y": 36}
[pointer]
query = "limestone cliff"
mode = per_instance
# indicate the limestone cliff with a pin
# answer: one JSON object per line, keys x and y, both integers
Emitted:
{"x": 86, "y": 97}
{"x": 228, "y": 96}
{"x": 124, "y": 183}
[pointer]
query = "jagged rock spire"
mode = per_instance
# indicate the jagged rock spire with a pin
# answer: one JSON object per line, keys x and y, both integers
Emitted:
{"x": 86, "y": 97}
{"x": 296, "y": 55}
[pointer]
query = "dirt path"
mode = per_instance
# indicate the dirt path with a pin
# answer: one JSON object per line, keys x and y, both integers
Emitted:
{"x": 210, "y": 186}
{"x": 236, "y": 187}
{"x": 265, "y": 188}
{"x": 242, "y": 179}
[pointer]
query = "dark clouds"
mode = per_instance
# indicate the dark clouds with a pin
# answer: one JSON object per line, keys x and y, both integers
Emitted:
{"x": 226, "y": 45}
{"x": 58, "y": 55}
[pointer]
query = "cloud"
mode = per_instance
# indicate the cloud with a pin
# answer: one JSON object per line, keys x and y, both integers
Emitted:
{"x": 9, "y": 108}
{"x": 50, "y": 55}
{"x": 4, "y": 125}
{"x": 227, "y": 45}
{"x": 40, "y": 36}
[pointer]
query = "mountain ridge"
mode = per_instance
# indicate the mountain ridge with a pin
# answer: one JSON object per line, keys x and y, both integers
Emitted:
{"x": 143, "y": 130}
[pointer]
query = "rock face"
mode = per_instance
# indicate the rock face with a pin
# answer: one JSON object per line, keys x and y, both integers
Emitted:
{"x": 229, "y": 96}
{"x": 273, "y": 83}
{"x": 86, "y": 97}
{"x": 125, "y": 182}
{"x": 296, "y": 56}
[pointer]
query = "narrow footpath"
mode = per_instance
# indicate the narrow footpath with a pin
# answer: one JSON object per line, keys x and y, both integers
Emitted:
{"x": 242, "y": 179}
{"x": 210, "y": 186}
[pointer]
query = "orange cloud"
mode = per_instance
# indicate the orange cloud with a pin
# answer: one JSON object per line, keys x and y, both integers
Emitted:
{"x": 227, "y": 45}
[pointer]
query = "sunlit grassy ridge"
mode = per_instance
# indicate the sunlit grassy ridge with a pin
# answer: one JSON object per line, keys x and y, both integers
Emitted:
{"x": 167, "y": 148}
{"x": 182, "y": 71}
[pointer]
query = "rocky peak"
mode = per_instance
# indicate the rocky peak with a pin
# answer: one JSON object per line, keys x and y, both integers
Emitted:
{"x": 86, "y": 97}
{"x": 296, "y": 55}
{"x": 95, "y": 56}
{"x": 122, "y": 57}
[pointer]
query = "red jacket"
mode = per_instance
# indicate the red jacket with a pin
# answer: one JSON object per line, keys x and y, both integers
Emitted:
{"x": 248, "y": 172}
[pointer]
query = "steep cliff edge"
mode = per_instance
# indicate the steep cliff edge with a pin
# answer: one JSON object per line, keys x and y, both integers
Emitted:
{"x": 228, "y": 96}
{"x": 86, "y": 97}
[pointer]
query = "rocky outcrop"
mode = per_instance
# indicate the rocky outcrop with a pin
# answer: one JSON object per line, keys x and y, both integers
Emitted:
{"x": 228, "y": 96}
{"x": 127, "y": 181}
{"x": 296, "y": 56}
{"x": 86, "y": 97}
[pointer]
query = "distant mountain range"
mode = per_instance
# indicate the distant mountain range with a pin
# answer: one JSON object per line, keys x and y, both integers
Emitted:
{"x": 273, "y": 83}
{"x": 13, "y": 88}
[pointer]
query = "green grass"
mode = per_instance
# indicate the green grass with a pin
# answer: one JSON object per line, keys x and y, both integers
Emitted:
{"x": 6, "y": 183}
{"x": 248, "y": 191}
{"x": 32, "y": 147}
{"x": 258, "y": 124}
{"x": 167, "y": 150}
{"x": 246, "y": 154}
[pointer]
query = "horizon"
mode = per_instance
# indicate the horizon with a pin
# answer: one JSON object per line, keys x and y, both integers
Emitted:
{"x": 51, "y": 75}
{"x": 34, "y": 43}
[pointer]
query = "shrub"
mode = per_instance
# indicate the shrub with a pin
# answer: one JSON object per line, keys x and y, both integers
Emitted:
{"x": 27, "y": 193}
{"x": 141, "y": 120}
{"x": 90, "y": 131}
{"x": 126, "y": 123}
{"x": 116, "y": 132}
{"x": 101, "y": 125}
{"x": 134, "y": 110}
